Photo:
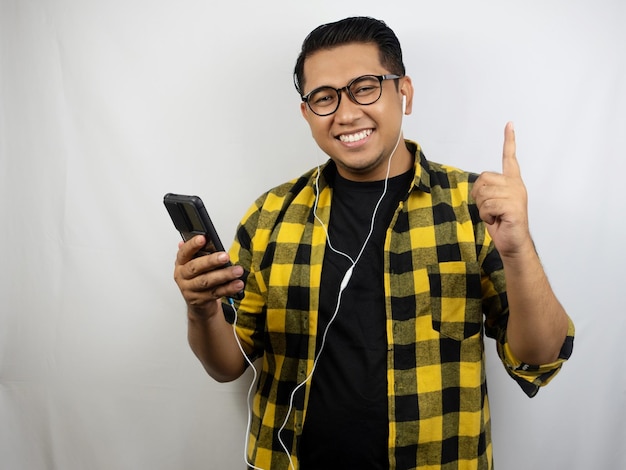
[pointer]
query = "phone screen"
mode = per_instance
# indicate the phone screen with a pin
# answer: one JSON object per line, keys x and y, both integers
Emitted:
{"x": 191, "y": 218}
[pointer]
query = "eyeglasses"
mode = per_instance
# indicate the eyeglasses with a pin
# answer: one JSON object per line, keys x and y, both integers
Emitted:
{"x": 363, "y": 90}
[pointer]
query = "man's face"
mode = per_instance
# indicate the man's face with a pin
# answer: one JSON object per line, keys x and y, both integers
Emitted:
{"x": 358, "y": 138}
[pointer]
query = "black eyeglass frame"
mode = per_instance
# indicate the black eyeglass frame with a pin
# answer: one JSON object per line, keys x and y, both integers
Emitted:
{"x": 346, "y": 88}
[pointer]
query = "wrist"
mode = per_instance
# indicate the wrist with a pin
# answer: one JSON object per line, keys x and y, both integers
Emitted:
{"x": 523, "y": 249}
{"x": 203, "y": 312}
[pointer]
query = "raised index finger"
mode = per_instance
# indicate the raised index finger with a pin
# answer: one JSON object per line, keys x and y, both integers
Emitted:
{"x": 510, "y": 165}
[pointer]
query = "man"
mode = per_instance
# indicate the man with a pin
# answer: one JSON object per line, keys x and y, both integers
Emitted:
{"x": 371, "y": 282}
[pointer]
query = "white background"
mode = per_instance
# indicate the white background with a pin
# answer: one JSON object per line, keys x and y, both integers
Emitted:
{"x": 107, "y": 105}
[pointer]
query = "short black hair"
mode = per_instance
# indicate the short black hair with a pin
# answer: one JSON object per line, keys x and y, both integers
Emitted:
{"x": 359, "y": 29}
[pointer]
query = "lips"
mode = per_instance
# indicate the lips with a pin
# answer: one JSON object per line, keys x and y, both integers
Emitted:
{"x": 351, "y": 138}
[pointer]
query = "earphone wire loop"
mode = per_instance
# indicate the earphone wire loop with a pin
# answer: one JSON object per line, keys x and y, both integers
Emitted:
{"x": 249, "y": 394}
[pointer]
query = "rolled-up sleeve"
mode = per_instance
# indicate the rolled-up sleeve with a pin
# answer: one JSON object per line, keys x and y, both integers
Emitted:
{"x": 531, "y": 377}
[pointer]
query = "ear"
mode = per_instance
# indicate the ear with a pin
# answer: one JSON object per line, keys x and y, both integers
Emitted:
{"x": 407, "y": 95}
{"x": 304, "y": 110}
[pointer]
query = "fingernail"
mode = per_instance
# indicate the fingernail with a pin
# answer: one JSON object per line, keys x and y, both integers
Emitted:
{"x": 222, "y": 257}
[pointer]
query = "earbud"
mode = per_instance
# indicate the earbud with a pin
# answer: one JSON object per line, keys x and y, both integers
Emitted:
{"x": 403, "y": 104}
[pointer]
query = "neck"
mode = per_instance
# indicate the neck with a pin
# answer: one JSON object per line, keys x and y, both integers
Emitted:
{"x": 401, "y": 159}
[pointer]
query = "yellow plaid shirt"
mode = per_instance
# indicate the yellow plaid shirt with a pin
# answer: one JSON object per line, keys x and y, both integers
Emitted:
{"x": 444, "y": 288}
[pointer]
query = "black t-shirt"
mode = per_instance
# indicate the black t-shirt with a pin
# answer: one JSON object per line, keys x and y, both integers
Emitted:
{"x": 346, "y": 424}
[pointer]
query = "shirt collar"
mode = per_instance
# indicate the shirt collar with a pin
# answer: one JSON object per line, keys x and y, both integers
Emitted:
{"x": 421, "y": 181}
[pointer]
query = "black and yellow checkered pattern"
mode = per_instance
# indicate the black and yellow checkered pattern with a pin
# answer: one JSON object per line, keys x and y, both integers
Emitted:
{"x": 445, "y": 290}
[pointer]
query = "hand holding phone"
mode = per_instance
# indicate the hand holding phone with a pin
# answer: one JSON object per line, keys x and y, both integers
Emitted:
{"x": 191, "y": 218}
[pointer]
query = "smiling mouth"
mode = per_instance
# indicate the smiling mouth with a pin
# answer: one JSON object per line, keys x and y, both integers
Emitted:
{"x": 350, "y": 138}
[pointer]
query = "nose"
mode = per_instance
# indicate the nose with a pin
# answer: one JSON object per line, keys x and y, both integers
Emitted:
{"x": 347, "y": 109}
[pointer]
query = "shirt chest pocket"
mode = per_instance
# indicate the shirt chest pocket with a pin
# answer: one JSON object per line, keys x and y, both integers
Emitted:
{"x": 455, "y": 299}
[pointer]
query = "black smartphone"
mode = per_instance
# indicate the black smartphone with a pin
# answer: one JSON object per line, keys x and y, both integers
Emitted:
{"x": 191, "y": 218}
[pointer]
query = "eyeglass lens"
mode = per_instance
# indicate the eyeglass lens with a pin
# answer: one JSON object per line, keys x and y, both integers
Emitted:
{"x": 363, "y": 90}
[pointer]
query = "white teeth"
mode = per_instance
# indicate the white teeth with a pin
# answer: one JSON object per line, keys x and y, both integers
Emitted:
{"x": 355, "y": 137}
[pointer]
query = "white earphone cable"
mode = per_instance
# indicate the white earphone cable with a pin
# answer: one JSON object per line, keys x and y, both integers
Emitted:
{"x": 249, "y": 395}
{"x": 343, "y": 286}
